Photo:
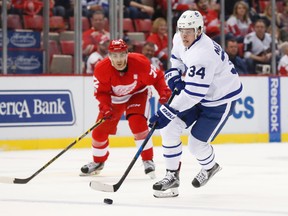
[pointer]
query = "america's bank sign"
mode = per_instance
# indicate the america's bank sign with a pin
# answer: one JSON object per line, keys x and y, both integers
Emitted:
{"x": 36, "y": 108}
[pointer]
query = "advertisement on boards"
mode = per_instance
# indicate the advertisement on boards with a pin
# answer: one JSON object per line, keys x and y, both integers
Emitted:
{"x": 36, "y": 108}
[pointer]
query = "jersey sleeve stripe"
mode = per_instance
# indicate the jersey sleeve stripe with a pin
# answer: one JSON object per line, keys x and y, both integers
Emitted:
{"x": 230, "y": 95}
{"x": 193, "y": 93}
{"x": 197, "y": 84}
{"x": 174, "y": 57}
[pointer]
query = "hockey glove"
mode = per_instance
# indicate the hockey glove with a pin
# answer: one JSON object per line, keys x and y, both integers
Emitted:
{"x": 163, "y": 116}
{"x": 164, "y": 96}
{"x": 106, "y": 111}
{"x": 173, "y": 79}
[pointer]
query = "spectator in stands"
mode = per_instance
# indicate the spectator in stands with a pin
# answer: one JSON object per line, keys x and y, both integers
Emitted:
{"x": 8, "y": 3}
{"x": 159, "y": 37}
{"x": 215, "y": 5}
{"x": 101, "y": 53}
{"x": 231, "y": 46}
{"x": 92, "y": 36}
{"x": 177, "y": 6}
{"x": 10, "y": 9}
{"x": 31, "y": 7}
{"x": 63, "y": 8}
{"x": 283, "y": 63}
{"x": 239, "y": 23}
{"x": 183, "y": 5}
{"x": 284, "y": 21}
{"x": 129, "y": 43}
{"x": 257, "y": 47}
{"x": 137, "y": 10}
{"x": 253, "y": 6}
{"x": 132, "y": 9}
{"x": 148, "y": 50}
{"x": 210, "y": 16}
{"x": 89, "y": 6}
{"x": 267, "y": 16}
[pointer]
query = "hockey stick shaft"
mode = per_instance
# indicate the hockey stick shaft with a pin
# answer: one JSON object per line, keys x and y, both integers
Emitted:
{"x": 113, "y": 188}
{"x": 10, "y": 180}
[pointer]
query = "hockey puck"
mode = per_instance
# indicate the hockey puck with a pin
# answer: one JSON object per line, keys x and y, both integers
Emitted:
{"x": 108, "y": 201}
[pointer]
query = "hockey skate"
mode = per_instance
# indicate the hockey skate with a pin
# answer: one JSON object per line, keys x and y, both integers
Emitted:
{"x": 149, "y": 168}
{"x": 91, "y": 169}
{"x": 170, "y": 182}
{"x": 205, "y": 175}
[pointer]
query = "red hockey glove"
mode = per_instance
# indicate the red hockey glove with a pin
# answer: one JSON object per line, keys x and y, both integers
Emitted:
{"x": 106, "y": 111}
{"x": 164, "y": 96}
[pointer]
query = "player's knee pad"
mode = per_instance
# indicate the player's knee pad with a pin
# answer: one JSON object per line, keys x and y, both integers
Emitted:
{"x": 199, "y": 148}
{"x": 99, "y": 136}
{"x": 137, "y": 123}
{"x": 172, "y": 132}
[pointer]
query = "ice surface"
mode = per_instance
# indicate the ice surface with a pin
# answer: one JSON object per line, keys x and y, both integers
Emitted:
{"x": 253, "y": 181}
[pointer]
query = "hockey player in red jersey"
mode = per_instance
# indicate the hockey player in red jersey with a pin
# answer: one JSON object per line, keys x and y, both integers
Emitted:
{"x": 122, "y": 85}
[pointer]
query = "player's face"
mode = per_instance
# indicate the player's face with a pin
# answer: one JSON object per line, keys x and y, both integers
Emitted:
{"x": 118, "y": 60}
{"x": 187, "y": 36}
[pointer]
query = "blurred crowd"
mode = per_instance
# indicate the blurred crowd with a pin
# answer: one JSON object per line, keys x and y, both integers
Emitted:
{"x": 248, "y": 28}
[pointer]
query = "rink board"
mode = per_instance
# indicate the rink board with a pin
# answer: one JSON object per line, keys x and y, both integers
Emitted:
{"x": 51, "y": 112}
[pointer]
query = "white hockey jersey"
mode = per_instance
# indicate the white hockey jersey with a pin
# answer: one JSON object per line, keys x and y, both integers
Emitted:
{"x": 210, "y": 77}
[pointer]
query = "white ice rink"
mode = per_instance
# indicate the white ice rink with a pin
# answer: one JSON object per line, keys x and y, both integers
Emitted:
{"x": 253, "y": 181}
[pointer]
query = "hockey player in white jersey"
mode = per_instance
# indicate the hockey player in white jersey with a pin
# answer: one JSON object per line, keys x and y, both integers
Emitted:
{"x": 208, "y": 86}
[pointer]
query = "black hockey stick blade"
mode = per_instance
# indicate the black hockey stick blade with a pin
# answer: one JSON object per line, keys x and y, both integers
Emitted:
{"x": 10, "y": 180}
{"x": 113, "y": 188}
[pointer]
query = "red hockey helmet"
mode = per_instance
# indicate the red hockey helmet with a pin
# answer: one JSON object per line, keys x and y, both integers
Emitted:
{"x": 117, "y": 45}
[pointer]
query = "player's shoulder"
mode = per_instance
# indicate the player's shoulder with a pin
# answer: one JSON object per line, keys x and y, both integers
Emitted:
{"x": 203, "y": 51}
{"x": 204, "y": 45}
{"x": 103, "y": 65}
{"x": 138, "y": 58}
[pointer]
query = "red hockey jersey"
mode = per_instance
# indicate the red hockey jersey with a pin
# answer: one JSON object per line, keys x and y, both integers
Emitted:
{"x": 111, "y": 86}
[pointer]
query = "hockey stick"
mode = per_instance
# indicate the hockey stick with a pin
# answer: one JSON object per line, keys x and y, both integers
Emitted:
{"x": 10, "y": 180}
{"x": 113, "y": 188}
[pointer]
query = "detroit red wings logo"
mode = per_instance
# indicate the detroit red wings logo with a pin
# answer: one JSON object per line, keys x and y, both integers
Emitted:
{"x": 121, "y": 90}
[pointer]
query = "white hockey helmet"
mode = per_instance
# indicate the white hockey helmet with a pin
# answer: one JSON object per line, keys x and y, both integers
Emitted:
{"x": 191, "y": 19}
